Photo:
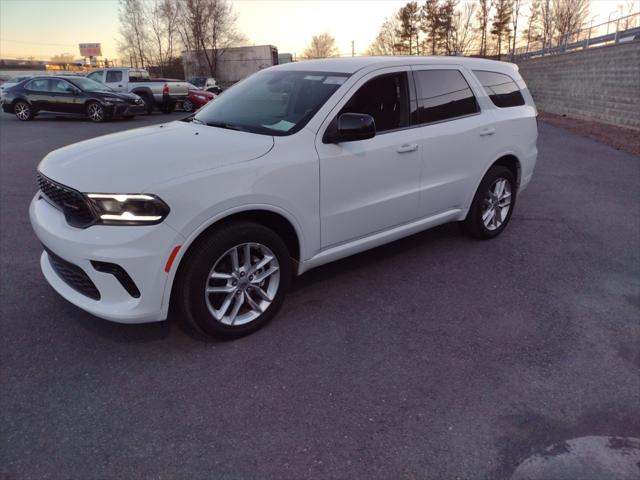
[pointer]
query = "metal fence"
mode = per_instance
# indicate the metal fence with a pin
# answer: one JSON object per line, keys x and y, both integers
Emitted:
{"x": 622, "y": 29}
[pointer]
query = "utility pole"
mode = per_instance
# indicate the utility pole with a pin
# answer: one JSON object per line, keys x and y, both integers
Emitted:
{"x": 353, "y": 52}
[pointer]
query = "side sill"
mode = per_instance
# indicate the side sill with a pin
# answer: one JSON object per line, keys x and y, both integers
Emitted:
{"x": 375, "y": 240}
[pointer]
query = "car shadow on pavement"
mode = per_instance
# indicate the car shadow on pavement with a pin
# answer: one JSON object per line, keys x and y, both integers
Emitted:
{"x": 421, "y": 240}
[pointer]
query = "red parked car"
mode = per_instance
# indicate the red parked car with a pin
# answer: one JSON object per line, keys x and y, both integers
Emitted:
{"x": 196, "y": 99}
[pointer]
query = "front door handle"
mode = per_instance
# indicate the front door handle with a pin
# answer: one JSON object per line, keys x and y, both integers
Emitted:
{"x": 407, "y": 148}
{"x": 487, "y": 131}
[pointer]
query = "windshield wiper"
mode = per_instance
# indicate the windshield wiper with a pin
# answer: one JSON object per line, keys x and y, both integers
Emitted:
{"x": 228, "y": 126}
{"x": 196, "y": 120}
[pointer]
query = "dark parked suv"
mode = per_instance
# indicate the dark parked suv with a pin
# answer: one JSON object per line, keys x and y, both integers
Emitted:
{"x": 70, "y": 94}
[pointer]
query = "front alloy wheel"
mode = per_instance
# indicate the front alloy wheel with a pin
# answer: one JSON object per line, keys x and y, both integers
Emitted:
{"x": 95, "y": 112}
{"x": 233, "y": 280}
{"x": 242, "y": 284}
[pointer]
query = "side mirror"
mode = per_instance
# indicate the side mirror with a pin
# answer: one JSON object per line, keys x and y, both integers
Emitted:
{"x": 75, "y": 91}
{"x": 352, "y": 127}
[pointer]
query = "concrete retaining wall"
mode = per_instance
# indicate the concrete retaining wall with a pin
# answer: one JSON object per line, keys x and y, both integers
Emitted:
{"x": 600, "y": 84}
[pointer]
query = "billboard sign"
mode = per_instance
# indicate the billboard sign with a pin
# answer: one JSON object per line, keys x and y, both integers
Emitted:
{"x": 90, "y": 50}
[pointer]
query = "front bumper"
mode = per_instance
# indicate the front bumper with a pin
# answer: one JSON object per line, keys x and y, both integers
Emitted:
{"x": 126, "y": 109}
{"x": 141, "y": 251}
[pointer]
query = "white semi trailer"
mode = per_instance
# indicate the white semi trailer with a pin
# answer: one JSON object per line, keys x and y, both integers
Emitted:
{"x": 232, "y": 65}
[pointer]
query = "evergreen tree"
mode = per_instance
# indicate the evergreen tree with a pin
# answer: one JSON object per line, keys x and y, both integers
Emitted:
{"x": 501, "y": 20}
{"x": 429, "y": 24}
{"x": 408, "y": 31}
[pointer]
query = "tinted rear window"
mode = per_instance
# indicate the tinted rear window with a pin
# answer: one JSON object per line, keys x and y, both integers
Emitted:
{"x": 501, "y": 88}
{"x": 443, "y": 95}
{"x": 38, "y": 85}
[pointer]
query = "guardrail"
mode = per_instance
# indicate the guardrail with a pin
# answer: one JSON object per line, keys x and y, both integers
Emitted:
{"x": 619, "y": 30}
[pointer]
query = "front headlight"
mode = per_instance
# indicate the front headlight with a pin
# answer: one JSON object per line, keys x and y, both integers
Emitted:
{"x": 128, "y": 209}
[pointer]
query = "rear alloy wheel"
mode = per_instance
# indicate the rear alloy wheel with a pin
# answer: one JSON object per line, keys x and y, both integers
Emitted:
{"x": 95, "y": 112}
{"x": 23, "y": 111}
{"x": 187, "y": 105}
{"x": 234, "y": 281}
{"x": 493, "y": 204}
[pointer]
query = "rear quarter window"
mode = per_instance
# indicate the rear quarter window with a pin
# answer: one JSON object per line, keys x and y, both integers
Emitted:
{"x": 500, "y": 88}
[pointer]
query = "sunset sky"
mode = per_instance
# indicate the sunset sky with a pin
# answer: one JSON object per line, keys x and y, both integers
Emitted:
{"x": 42, "y": 28}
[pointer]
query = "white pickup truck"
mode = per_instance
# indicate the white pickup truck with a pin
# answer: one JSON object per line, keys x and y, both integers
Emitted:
{"x": 162, "y": 93}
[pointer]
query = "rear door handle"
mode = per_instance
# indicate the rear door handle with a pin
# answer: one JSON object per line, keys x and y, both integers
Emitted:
{"x": 407, "y": 148}
{"x": 487, "y": 131}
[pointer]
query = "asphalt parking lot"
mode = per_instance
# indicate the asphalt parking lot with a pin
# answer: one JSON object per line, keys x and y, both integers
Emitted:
{"x": 435, "y": 357}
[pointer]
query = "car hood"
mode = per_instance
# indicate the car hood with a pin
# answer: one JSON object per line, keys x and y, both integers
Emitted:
{"x": 135, "y": 160}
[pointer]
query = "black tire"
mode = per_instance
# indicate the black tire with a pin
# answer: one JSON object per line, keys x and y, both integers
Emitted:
{"x": 148, "y": 102}
{"x": 193, "y": 277}
{"x": 485, "y": 200}
{"x": 96, "y": 112}
{"x": 187, "y": 106}
{"x": 23, "y": 111}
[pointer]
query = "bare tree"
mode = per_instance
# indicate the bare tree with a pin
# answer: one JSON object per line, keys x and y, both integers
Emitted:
{"x": 625, "y": 11}
{"x": 532, "y": 30}
{"x": 386, "y": 40}
{"x": 321, "y": 46}
{"x": 500, "y": 26}
{"x": 133, "y": 33}
{"x": 547, "y": 20}
{"x": 484, "y": 9}
{"x": 163, "y": 25}
{"x": 515, "y": 14}
{"x": 570, "y": 15}
{"x": 208, "y": 28}
{"x": 464, "y": 33}
{"x": 63, "y": 58}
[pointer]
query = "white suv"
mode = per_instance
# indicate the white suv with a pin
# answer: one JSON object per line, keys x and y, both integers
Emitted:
{"x": 296, "y": 166}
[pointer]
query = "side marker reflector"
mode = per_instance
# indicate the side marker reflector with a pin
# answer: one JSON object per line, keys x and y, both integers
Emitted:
{"x": 171, "y": 258}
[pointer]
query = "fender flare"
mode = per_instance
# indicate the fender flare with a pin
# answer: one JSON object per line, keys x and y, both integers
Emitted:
{"x": 195, "y": 234}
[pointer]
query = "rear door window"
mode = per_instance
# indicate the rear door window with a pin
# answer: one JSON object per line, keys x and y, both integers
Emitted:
{"x": 500, "y": 88}
{"x": 442, "y": 95}
{"x": 38, "y": 85}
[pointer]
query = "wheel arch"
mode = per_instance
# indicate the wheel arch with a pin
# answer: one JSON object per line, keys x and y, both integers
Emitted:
{"x": 143, "y": 91}
{"x": 511, "y": 162}
{"x": 20, "y": 99}
{"x": 278, "y": 221}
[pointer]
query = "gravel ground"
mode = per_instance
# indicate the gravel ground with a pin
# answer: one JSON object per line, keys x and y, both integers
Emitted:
{"x": 434, "y": 357}
{"x": 620, "y": 138}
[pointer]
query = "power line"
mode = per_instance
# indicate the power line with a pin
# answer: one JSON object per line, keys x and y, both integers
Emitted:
{"x": 39, "y": 43}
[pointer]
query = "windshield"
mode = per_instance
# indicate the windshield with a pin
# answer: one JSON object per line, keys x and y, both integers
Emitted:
{"x": 89, "y": 85}
{"x": 272, "y": 102}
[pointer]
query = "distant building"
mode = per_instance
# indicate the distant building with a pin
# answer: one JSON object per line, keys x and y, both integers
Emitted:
{"x": 233, "y": 63}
